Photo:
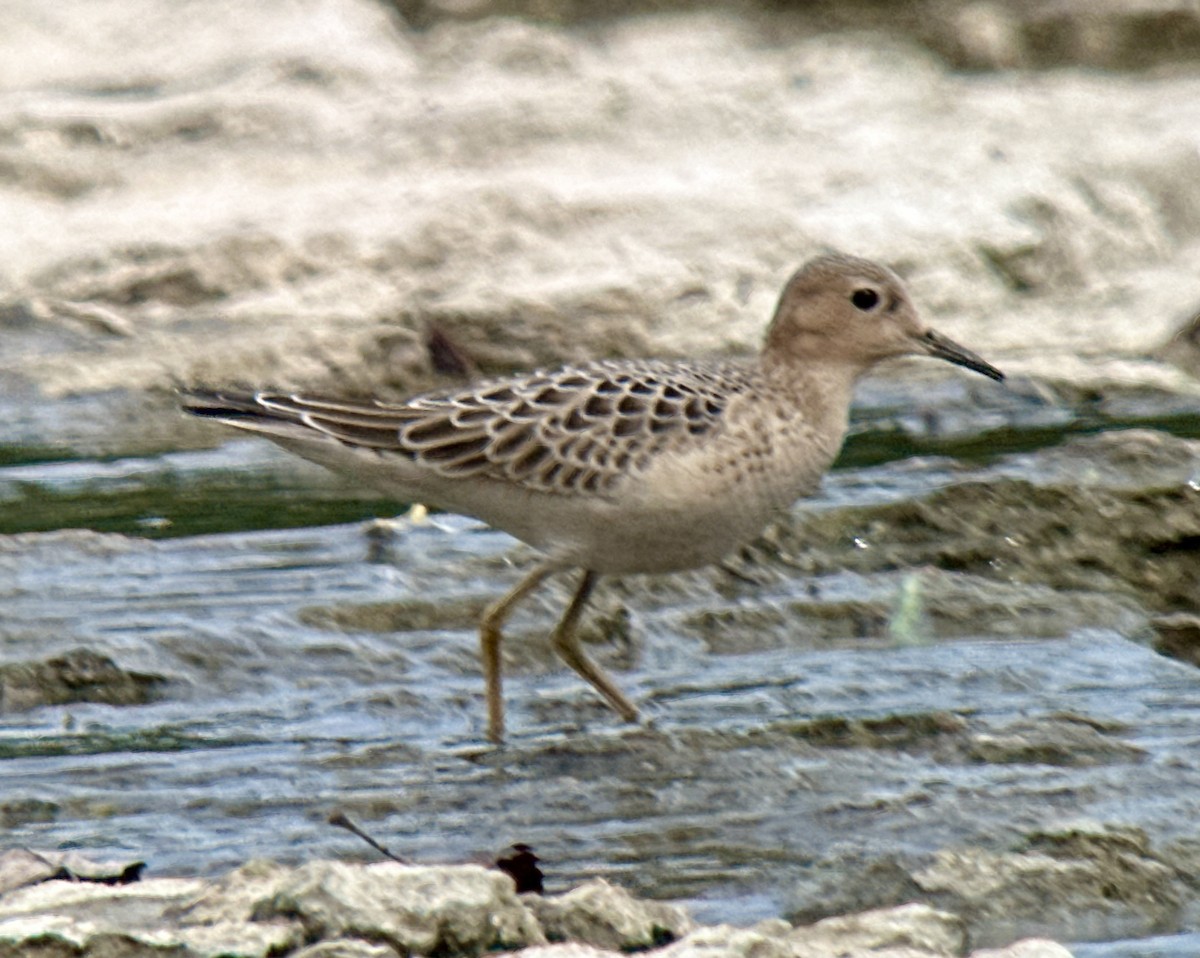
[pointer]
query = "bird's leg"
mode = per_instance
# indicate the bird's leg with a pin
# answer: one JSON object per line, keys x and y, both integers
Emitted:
{"x": 566, "y": 644}
{"x": 489, "y": 644}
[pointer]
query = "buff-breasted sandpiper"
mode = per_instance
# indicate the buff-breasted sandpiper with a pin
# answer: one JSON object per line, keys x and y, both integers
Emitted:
{"x": 620, "y": 466}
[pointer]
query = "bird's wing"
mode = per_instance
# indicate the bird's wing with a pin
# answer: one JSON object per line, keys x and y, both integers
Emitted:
{"x": 576, "y": 429}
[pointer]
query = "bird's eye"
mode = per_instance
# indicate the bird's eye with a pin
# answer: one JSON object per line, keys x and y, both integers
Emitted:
{"x": 865, "y": 299}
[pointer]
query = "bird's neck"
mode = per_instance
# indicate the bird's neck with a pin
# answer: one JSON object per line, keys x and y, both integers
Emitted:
{"x": 822, "y": 389}
{"x": 823, "y": 386}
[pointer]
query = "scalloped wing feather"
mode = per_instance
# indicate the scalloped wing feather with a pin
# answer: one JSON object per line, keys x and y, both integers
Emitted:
{"x": 578, "y": 429}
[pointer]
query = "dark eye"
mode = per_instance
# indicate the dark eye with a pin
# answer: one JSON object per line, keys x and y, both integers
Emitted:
{"x": 865, "y": 299}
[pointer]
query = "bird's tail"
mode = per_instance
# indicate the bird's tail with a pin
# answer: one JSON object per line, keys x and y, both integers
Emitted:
{"x": 287, "y": 416}
{"x": 229, "y": 405}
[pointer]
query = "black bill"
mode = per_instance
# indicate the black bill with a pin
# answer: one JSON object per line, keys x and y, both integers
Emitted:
{"x": 940, "y": 347}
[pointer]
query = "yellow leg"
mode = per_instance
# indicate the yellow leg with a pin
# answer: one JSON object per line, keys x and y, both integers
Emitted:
{"x": 566, "y": 644}
{"x": 489, "y": 645}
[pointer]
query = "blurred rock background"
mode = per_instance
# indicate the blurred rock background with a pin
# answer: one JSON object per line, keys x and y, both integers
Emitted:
{"x": 296, "y": 191}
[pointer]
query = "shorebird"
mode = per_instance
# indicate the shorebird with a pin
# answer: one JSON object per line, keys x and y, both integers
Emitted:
{"x": 620, "y": 466}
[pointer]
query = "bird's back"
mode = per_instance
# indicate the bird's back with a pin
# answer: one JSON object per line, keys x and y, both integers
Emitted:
{"x": 581, "y": 429}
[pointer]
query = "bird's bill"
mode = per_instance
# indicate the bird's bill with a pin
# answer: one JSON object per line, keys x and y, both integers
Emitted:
{"x": 938, "y": 346}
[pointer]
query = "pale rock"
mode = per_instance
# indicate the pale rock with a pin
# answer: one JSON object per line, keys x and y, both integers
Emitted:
{"x": 1109, "y": 890}
{"x": 1026, "y": 948}
{"x": 424, "y": 910}
{"x": 767, "y": 939}
{"x": 605, "y": 915}
{"x": 347, "y": 948}
{"x": 98, "y": 919}
{"x": 233, "y": 896}
{"x": 913, "y": 928}
{"x": 567, "y": 949}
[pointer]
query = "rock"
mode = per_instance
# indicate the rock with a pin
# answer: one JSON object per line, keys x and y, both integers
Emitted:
{"x": 371, "y": 911}
{"x": 347, "y": 948}
{"x": 607, "y": 916}
{"x": 909, "y": 931}
{"x": 21, "y": 866}
{"x": 79, "y": 675}
{"x": 388, "y": 910}
{"x": 235, "y": 896}
{"x": 1112, "y": 34}
{"x": 944, "y": 604}
{"x": 980, "y": 35}
{"x": 128, "y": 920}
{"x": 566, "y": 949}
{"x": 409, "y": 614}
{"x": 914, "y": 927}
{"x": 1085, "y": 882}
{"x": 1178, "y": 636}
{"x": 1183, "y": 855}
{"x": 464, "y": 909}
{"x": 1026, "y": 948}
{"x": 1008, "y": 526}
{"x": 1085, "y": 885}
{"x": 767, "y": 939}
{"x": 849, "y": 884}
{"x": 1044, "y": 217}
{"x": 1065, "y": 740}
{"x": 21, "y": 811}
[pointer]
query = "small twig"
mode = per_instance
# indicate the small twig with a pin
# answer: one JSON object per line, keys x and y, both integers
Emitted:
{"x": 338, "y": 817}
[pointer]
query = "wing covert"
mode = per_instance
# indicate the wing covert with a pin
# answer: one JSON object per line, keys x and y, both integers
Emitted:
{"x": 577, "y": 429}
{"x": 580, "y": 428}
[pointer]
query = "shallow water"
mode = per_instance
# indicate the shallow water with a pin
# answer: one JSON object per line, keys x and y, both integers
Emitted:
{"x": 809, "y": 723}
{"x": 335, "y": 666}
{"x": 1163, "y": 946}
